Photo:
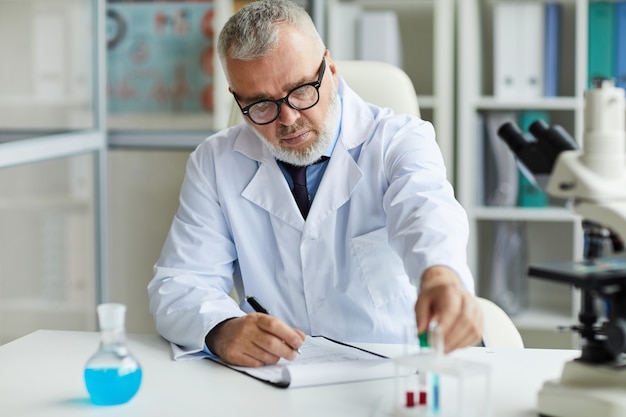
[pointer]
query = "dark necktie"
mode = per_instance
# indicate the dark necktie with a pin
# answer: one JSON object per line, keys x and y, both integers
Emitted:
{"x": 300, "y": 191}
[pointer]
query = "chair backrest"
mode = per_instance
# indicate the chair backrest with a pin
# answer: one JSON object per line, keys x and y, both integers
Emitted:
{"x": 382, "y": 84}
{"x": 376, "y": 82}
{"x": 498, "y": 328}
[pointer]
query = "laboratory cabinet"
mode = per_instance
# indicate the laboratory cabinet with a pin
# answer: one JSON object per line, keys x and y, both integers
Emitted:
{"x": 519, "y": 73}
{"x": 52, "y": 166}
{"x": 47, "y": 249}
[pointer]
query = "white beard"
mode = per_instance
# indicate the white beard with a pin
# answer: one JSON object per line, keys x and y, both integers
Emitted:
{"x": 315, "y": 151}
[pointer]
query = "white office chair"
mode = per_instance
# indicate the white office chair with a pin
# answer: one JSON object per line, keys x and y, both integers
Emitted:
{"x": 376, "y": 82}
{"x": 382, "y": 84}
{"x": 498, "y": 328}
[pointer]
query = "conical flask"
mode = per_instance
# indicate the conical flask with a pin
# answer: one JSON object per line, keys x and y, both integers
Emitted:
{"x": 112, "y": 374}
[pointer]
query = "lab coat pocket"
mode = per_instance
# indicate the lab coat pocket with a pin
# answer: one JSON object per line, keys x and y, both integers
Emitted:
{"x": 381, "y": 267}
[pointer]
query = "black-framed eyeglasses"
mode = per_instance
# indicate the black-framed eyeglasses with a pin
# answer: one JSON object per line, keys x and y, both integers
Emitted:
{"x": 302, "y": 97}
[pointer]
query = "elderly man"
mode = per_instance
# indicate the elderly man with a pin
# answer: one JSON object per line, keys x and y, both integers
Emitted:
{"x": 334, "y": 212}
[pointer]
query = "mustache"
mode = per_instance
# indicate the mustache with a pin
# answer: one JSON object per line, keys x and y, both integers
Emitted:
{"x": 297, "y": 126}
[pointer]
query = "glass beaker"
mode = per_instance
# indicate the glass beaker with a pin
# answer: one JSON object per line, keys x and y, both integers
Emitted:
{"x": 112, "y": 374}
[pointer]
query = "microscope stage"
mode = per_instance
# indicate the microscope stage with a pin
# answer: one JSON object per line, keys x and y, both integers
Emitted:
{"x": 584, "y": 391}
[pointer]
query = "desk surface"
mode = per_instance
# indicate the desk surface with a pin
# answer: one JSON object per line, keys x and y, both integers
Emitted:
{"x": 42, "y": 375}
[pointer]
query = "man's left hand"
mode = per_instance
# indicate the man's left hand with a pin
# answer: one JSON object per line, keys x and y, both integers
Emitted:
{"x": 443, "y": 299}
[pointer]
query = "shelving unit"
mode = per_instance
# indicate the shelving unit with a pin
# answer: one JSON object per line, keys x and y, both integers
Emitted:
{"x": 53, "y": 251}
{"x": 48, "y": 213}
{"x": 427, "y": 37}
{"x": 555, "y": 232}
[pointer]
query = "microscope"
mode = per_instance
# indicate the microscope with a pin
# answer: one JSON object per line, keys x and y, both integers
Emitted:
{"x": 593, "y": 182}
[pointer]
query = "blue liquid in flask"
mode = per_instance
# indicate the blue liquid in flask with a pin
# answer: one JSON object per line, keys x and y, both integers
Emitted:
{"x": 112, "y": 386}
{"x": 112, "y": 374}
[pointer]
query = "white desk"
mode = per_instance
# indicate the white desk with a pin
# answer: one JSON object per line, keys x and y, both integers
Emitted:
{"x": 42, "y": 375}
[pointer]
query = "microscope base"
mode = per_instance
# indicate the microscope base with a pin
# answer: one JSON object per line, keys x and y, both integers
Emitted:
{"x": 583, "y": 391}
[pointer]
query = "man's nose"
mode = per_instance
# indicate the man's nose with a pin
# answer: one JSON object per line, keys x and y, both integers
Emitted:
{"x": 288, "y": 115}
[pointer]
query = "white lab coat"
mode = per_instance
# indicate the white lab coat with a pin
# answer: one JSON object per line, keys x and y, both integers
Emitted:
{"x": 383, "y": 213}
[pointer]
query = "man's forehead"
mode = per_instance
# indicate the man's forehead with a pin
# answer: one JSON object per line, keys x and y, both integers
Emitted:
{"x": 289, "y": 64}
{"x": 268, "y": 78}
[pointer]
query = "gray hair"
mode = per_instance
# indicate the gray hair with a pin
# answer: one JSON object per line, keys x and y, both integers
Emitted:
{"x": 252, "y": 32}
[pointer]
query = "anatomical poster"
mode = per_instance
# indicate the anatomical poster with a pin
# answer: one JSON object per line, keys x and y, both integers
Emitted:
{"x": 160, "y": 57}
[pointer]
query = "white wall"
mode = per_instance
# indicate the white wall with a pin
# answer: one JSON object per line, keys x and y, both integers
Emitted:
{"x": 143, "y": 198}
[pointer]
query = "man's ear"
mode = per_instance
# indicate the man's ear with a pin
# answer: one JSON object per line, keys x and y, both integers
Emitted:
{"x": 330, "y": 65}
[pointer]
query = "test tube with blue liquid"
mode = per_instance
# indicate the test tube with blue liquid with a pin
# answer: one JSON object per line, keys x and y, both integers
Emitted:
{"x": 431, "y": 343}
{"x": 112, "y": 374}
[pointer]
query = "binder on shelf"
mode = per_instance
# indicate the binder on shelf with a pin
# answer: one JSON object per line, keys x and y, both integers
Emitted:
{"x": 343, "y": 21}
{"x": 50, "y": 79}
{"x": 484, "y": 186}
{"x": 508, "y": 268}
{"x": 532, "y": 15}
{"x": 620, "y": 44}
{"x": 528, "y": 193}
{"x": 551, "y": 48}
{"x": 518, "y": 50}
{"x": 379, "y": 37}
{"x": 601, "y": 40}
{"x": 501, "y": 172}
{"x": 506, "y": 37}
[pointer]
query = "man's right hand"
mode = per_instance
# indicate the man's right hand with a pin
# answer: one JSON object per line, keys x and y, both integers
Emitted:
{"x": 254, "y": 340}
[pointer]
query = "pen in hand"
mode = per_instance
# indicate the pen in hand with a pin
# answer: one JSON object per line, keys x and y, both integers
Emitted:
{"x": 258, "y": 307}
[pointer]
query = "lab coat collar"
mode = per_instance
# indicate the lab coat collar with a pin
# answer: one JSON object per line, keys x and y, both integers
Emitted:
{"x": 358, "y": 117}
{"x": 270, "y": 191}
{"x": 250, "y": 145}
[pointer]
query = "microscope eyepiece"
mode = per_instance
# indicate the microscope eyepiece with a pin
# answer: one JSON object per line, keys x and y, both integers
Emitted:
{"x": 513, "y": 136}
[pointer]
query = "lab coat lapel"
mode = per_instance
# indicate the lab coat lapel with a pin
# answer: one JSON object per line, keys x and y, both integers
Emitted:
{"x": 268, "y": 187}
{"x": 343, "y": 173}
{"x": 341, "y": 177}
{"x": 269, "y": 190}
